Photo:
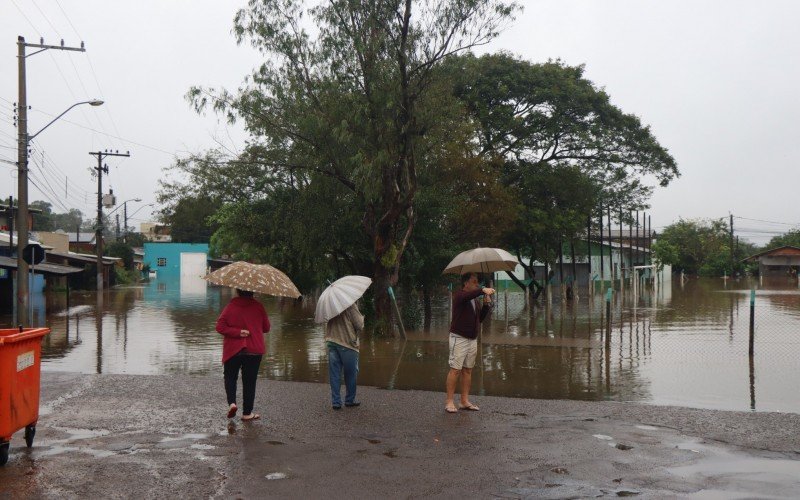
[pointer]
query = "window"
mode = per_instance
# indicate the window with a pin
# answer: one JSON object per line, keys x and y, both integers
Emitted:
{"x": 161, "y": 261}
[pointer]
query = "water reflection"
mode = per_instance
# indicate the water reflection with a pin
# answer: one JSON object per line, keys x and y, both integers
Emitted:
{"x": 685, "y": 344}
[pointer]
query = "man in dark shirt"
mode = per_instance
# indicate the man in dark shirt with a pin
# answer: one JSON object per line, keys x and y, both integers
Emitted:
{"x": 467, "y": 316}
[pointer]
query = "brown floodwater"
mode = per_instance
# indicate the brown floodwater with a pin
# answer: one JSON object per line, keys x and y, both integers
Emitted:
{"x": 678, "y": 344}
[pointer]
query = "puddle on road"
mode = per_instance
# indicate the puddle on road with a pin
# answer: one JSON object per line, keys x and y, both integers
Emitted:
{"x": 738, "y": 475}
{"x": 203, "y": 447}
{"x": 717, "y": 462}
{"x": 185, "y": 437}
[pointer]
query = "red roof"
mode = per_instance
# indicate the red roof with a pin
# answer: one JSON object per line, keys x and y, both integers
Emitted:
{"x": 784, "y": 251}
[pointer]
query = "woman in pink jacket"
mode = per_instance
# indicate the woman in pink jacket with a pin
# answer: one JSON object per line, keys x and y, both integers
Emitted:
{"x": 243, "y": 324}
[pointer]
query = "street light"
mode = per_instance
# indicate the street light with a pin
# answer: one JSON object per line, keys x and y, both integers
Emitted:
{"x": 93, "y": 102}
{"x": 23, "y": 291}
{"x": 134, "y": 213}
{"x": 124, "y": 204}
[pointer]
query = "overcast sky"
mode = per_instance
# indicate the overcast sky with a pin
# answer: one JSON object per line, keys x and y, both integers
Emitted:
{"x": 716, "y": 81}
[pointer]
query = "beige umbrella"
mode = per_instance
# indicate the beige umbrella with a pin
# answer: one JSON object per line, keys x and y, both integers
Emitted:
{"x": 482, "y": 260}
{"x": 258, "y": 278}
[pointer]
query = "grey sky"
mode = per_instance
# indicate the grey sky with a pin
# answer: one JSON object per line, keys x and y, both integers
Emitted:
{"x": 715, "y": 80}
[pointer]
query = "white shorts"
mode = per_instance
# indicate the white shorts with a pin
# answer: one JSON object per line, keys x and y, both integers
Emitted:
{"x": 462, "y": 352}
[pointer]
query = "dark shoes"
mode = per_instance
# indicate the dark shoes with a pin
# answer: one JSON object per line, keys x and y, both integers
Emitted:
{"x": 349, "y": 405}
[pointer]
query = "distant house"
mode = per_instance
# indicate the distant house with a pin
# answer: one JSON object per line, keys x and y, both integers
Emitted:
{"x": 7, "y": 215}
{"x": 138, "y": 258}
{"x": 58, "y": 241}
{"x": 620, "y": 262}
{"x": 156, "y": 232}
{"x": 781, "y": 261}
{"x": 176, "y": 260}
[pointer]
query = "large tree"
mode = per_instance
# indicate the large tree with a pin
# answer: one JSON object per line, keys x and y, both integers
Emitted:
{"x": 189, "y": 218}
{"x": 563, "y": 147}
{"x": 701, "y": 247}
{"x": 791, "y": 238}
{"x": 355, "y": 102}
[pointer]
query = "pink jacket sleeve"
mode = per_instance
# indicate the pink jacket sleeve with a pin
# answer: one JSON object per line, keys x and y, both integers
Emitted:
{"x": 224, "y": 327}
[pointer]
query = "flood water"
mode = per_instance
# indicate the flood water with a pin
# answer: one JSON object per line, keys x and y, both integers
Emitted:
{"x": 677, "y": 344}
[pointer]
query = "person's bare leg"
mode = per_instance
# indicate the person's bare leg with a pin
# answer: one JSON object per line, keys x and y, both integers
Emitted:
{"x": 452, "y": 379}
{"x": 466, "y": 383}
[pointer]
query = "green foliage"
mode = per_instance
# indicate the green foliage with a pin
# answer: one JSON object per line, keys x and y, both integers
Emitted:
{"x": 376, "y": 147}
{"x": 701, "y": 247}
{"x": 356, "y": 112}
{"x": 121, "y": 250}
{"x": 124, "y": 276}
{"x": 665, "y": 253}
{"x": 562, "y": 146}
{"x": 135, "y": 239}
{"x": 68, "y": 222}
{"x": 42, "y": 221}
{"x": 791, "y": 238}
{"x": 189, "y": 219}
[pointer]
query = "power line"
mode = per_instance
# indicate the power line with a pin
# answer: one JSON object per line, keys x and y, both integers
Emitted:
{"x": 109, "y": 135}
{"x": 91, "y": 67}
{"x": 26, "y": 18}
{"x": 55, "y": 167}
{"x": 767, "y": 221}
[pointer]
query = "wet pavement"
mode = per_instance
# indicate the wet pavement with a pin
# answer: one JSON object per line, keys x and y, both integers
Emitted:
{"x": 116, "y": 436}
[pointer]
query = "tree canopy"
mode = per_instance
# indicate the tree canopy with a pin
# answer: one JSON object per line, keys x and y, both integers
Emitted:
{"x": 381, "y": 146}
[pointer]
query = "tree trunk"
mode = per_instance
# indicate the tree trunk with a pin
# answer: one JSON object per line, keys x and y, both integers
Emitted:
{"x": 383, "y": 303}
{"x": 427, "y": 306}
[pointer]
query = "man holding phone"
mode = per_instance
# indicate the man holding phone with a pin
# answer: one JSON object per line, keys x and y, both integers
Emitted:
{"x": 464, "y": 327}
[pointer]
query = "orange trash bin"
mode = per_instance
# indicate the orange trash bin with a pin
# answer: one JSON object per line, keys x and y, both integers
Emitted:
{"x": 20, "y": 371}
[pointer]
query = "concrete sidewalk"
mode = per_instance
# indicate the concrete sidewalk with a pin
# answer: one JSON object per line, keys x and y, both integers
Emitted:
{"x": 162, "y": 436}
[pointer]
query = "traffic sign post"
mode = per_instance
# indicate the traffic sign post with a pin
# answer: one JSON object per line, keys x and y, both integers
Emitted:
{"x": 33, "y": 254}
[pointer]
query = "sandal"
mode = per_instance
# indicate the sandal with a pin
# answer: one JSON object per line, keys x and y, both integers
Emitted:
{"x": 253, "y": 416}
{"x": 470, "y": 407}
{"x": 451, "y": 408}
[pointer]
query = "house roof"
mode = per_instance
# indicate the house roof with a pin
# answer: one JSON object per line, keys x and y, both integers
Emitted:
{"x": 4, "y": 236}
{"x": 45, "y": 268}
{"x": 83, "y": 257}
{"x": 84, "y": 237}
{"x": 784, "y": 251}
{"x": 621, "y": 246}
{"x": 31, "y": 210}
{"x": 626, "y": 234}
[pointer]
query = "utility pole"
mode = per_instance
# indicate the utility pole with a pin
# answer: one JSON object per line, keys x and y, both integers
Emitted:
{"x": 10, "y": 226}
{"x": 731, "y": 236}
{"x": 22, "y": 170}
{"x": 98, "y": 239}
{"x": 125, "y": 219}
{"x": 117, "y": 238}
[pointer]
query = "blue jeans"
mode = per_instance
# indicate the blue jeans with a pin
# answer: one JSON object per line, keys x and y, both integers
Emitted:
{"x": 341, "y": 358}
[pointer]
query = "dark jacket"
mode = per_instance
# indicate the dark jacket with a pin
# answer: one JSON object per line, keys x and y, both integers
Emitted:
{"x": 465, "y": 321}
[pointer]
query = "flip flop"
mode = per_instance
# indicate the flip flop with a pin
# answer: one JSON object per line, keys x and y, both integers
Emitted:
{"x": 255, "y": 416}
{"x": 451, "y": 409}
{"x": 470, "y": 407}
{"x": 232, "y": 411}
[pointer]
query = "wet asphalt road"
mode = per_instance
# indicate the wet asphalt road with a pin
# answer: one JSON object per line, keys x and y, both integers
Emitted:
{"x": 118, "y": 436}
